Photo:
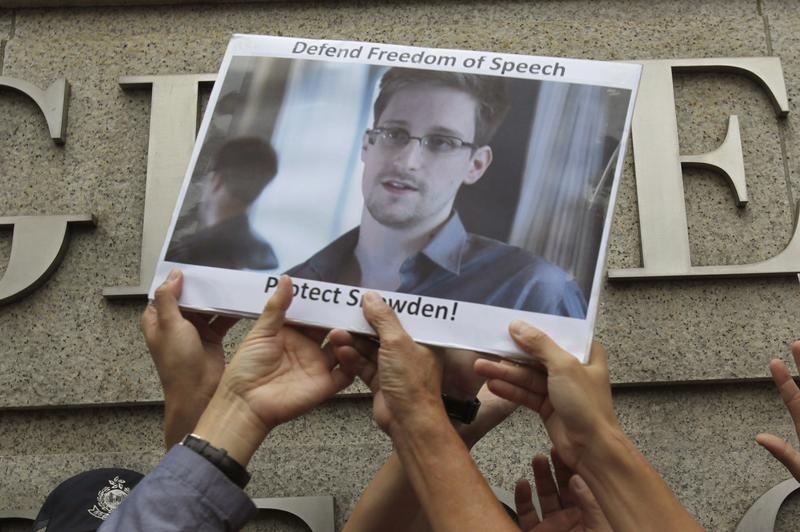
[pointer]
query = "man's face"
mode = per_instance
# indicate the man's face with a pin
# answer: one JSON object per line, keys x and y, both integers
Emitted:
{"x": 411, "y": 186}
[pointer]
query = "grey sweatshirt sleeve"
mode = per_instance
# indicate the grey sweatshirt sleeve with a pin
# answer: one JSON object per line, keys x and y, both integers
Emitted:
{"x": 184, "y": 492}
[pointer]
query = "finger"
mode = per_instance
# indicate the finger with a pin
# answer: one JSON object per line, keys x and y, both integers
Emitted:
{"x": 598, "y": 356}
{"x": 562, "y": 474}
{"x": 340, "y": 380}
{"x": 367, "y": 347}
{"x": 546, "y": 488}
{"x": 796, "y": 353}
{"x": 166, "y": 298}
{"x": 271, "y": 319}
{"x": 537, "y": 344}
{"x": 356, "y": 365}
{"x": 592, "y": 515}
{"x": 337, "y": 337}
{"x": 383, "y": 319}
{"x": 522, "y": 376}
{"x": 523, "y": 502}
{"x": 149, "y": 321}
{"x": 782, "y": 451}
{"x": 516, "y": 394}
{"x": 787, "y": 388}
{"x": 546, "y": 408}
{"x": 494, "y": 409}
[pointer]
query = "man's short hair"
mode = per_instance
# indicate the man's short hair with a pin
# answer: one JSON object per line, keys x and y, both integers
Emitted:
{"x": 489, "y": 92}
{"x": 246, "y": 165}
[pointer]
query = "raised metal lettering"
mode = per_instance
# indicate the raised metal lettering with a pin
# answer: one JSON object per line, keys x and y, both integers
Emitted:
{"x": 315, "y": 512}
{"x": 659, "y": 180}
{"x": 173, "y": 127}
{"x": 761, "y": 516}
{"x": 38, "y": 242}
{"x": 52, "y": 102}
{"x": 37, "y": 247}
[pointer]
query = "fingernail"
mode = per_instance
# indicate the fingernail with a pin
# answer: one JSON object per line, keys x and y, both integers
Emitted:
{"x": 517, "y": 327}
{"x": 173, "y": 274}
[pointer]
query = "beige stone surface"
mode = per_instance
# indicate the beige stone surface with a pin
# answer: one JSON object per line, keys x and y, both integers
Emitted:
{"x": 783, "y": 19}
{"x": 65, "y": 344}
{"x": 697, "y": 330}
{"x": 699, "y": 437}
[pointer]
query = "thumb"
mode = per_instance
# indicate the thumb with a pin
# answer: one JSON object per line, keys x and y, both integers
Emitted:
{"x": 536, "y": 343}
{"x": 592, "y": 515}
{"x": 383, "y": 319}
{"x": 166, "y": 297}
{"x": 272, "y": 318}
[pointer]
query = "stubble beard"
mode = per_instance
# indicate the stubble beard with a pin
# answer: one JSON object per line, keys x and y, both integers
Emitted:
{"x": 388, "y": 212}
{"x": 399, "y": 211}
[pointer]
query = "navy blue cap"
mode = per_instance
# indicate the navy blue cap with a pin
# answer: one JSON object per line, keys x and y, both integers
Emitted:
{"x": 81, "y": 503}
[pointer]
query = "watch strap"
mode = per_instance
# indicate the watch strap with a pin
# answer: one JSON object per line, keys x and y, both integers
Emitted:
{"x": 219, "y": 457}
{"x": 463, "y": 410}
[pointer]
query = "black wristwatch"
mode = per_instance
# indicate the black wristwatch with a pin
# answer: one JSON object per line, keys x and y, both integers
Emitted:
{"x": 463, "y": 410}
{"x": 219, "y": 457}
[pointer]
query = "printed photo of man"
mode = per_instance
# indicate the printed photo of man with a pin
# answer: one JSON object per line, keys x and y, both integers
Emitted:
{"x": 431, "y": 135}
{"x": 222, "y": 236}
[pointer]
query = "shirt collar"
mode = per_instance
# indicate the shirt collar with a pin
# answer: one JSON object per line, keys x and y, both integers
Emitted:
{"x": 446, "y": 248}
{"x": 328, "y": 262}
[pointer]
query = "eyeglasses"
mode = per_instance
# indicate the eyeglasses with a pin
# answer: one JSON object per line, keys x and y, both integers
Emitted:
{"x": 397, "y": 138}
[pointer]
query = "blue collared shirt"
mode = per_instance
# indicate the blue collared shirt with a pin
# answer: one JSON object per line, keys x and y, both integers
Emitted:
{"x": 466, "y": 267}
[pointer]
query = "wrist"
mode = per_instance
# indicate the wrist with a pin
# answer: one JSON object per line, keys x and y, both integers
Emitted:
{"x": 220, "y": 458}
{"x": 608, "y": 445}
{"x": 421, "y": 416}
{"x": 228, "y": 423}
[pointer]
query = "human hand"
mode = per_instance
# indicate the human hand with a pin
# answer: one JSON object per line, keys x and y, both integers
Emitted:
{"x": 573, "y": 400}
{"x": 567, "y": 504}
{"x": 405, "y": 377}
{"x": 277, "y": 374}
{"x": 357, "y": 355}
{"x": 778, "y": 447}
{"x": 187, "y": 352}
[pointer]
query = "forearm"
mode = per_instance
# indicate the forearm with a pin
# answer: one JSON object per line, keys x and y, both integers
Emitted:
{"x": 388, "y": 503}
{"x": 630, "y": 491}
{"x": 446, "y": 481}
{"x": 181, "y": 417}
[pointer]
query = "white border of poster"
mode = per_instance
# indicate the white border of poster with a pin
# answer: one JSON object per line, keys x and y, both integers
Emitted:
{"x": 433, "y": 321}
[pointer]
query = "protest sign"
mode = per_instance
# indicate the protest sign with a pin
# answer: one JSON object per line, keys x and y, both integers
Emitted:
{"x": 468, "y": 188}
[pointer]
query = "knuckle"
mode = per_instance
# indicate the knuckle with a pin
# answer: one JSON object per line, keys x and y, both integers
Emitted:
{"x": 395, "y": 339}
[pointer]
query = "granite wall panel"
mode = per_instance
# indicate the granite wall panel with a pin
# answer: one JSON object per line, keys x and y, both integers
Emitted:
{"x": 782, "y": 18}
{"x": 66, "y": 345}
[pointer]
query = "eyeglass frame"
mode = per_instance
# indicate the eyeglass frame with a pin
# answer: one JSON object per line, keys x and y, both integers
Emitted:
{"x": 374, "y": 132}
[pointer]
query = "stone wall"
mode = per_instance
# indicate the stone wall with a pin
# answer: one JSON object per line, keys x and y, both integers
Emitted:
{"x": 688, "y": 357}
